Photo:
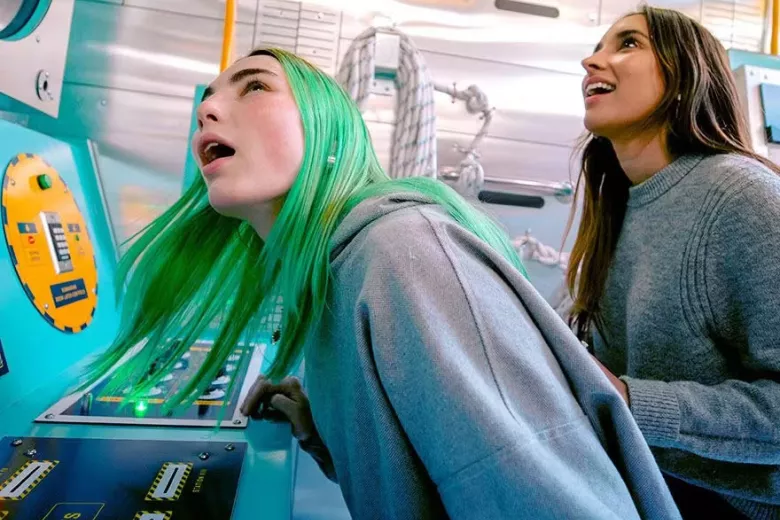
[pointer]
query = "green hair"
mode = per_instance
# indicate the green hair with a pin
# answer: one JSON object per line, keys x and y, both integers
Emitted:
{"x": 192, "y": 268}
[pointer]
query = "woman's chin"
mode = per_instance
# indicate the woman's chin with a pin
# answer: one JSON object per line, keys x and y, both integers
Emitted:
{"x": 225, "y": 204}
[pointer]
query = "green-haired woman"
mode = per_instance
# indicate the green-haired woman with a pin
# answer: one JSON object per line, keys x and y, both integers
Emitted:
{"x": 441, "y": 383}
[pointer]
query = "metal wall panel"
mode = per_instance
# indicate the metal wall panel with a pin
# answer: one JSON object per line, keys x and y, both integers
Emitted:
{"x": 309, "y": 30}
{"x": 500, "y": 157}
{"x": 611, "y": 10}
{"x": 246, "y": 9}
{"x": 739, "y": 24}
{"x": 145, "y": 129}
{"x": 531, "y": 104}
{"x": 144, "y": 50}
{"x": 490, "y": 35}
{"x": 34, "y": 57}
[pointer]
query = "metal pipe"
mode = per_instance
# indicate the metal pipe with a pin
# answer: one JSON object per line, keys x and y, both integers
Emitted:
{"x": 775, "y": 25}
{"x": 228, "y": 34}
{"x": 563, "y": 191}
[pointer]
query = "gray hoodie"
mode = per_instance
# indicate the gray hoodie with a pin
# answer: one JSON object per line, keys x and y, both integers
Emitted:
{"x": 444, "y": 386}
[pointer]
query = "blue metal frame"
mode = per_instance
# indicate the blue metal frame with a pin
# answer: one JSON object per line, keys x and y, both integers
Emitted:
{"x": 738, "y": 58}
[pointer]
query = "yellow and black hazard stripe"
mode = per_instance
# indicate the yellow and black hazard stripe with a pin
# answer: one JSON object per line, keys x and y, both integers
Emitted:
{"x": 144, "y": 515}
{"x": 34, "y": 483}
{"x": 179, "y": 486}
{"x": 3, "y": 514}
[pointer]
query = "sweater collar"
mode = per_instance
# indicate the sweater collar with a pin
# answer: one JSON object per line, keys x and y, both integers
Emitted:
{"x": 663, "y": 181}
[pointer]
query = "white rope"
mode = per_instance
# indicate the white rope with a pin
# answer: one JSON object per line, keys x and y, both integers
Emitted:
{"x": 413, "y": 146}
{"x": 469, "y": 174}
{"x": 530, "y": 248}
{"x": 476, "y": 103}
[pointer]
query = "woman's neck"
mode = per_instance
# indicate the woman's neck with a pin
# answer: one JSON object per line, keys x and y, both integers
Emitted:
{"x": 262, "y": 217}
{"x": 642, "y": 157}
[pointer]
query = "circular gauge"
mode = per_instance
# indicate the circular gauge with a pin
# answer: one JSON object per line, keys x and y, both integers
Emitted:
{"x": 15, "y": 15}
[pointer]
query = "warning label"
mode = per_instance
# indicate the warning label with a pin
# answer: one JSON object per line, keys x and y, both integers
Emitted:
{"x": 27, "y": 228}
{"x": 68, "y": 292}
{"x": 34, "y": 256}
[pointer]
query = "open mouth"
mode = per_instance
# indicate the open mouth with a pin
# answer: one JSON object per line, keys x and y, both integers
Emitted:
{"x": 600, "y": 87}
{"x": 213, "y": 151}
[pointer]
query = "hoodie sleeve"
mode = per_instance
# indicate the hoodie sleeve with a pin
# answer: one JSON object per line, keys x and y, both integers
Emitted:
{"x": 458, "y": 367}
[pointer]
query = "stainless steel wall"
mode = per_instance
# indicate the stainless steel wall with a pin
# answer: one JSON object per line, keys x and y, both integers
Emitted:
{"x": 132, "y": 66}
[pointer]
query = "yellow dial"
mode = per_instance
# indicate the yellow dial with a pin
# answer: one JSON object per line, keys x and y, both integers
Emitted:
{"x": 48, "y": 243}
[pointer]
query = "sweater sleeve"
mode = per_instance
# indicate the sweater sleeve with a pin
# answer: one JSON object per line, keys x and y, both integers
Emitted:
{"x": 476, "y": 389}
{"x": 738, "y": 269}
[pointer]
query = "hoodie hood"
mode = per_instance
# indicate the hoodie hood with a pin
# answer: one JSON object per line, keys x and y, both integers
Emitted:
{"x": 370, "y": 210}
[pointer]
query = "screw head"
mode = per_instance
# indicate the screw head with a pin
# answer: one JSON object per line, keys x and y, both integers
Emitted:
{"x": 45, "y": 305}
{"x": 13, "y": 182}
{"x": 31, "y": 453}
{"x": 230, "y": 447}
{"x": 16, "y": 442}
{"x": 204, "y": 456}
{"x": 49, "y": 416}
{"x": 37, "y": 38}
{"x": 237, "y": 421}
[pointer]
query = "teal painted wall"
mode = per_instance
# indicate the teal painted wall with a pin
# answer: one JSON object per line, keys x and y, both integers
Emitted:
{"x": 37, "y": 353}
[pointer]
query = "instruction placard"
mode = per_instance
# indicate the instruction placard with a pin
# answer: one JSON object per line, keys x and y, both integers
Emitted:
{"x": 68, "y": 292}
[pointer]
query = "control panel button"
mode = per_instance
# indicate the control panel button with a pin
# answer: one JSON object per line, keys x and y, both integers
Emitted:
{"x": 44, "y": 181}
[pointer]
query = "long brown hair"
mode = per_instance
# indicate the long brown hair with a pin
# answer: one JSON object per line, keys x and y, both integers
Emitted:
{"x": 701, "y": 114}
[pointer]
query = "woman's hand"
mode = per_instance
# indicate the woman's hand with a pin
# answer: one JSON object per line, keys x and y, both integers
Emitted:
{"x": 283, "y": 402}
{"x": 287, "y": 402}
{"x": 621, "y": 386}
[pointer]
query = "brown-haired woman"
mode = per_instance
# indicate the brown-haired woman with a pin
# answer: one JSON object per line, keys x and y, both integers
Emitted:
{"x": 676, "y": 262}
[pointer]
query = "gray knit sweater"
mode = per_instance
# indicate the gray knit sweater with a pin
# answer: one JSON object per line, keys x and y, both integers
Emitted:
{"x": 691, "y": 319}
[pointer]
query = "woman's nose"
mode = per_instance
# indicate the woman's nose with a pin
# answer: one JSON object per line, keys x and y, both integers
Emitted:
{"x": 593, "y": 62}
{"x": 208, "y": 111}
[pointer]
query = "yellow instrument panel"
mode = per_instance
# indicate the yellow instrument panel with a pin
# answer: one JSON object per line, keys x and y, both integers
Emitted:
{"x": 48, "y": 243}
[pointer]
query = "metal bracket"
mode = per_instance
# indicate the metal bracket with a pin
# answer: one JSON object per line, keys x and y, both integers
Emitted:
{"x": 387, "y": 57}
